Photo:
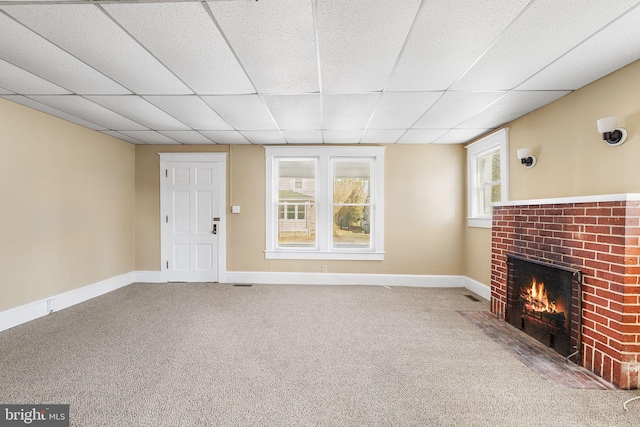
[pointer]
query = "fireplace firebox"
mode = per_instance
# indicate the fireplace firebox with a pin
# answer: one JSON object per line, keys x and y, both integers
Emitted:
{"x": 543, "y": 301}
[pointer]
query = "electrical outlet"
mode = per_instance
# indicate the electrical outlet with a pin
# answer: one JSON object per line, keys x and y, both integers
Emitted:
{"x": 324, "y": 268}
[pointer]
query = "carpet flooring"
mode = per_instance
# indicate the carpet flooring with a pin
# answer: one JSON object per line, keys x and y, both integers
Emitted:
{"x": 279, "y": 355}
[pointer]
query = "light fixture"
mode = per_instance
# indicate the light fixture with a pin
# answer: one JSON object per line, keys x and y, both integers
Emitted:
{"x": 526, "y": 157}
{"x": 610, "y": 133}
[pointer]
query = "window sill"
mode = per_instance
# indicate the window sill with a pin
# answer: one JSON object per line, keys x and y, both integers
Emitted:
{"x": 346, "y": 256}
{"x": 479, "y": 222}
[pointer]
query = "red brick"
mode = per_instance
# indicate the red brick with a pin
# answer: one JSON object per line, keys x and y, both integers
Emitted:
{"x": 625, "y": 328}
{"x": 632, "y": 309}
{"x": 610, "y": 352}
{"x": 615, "y": 240}
{"x": 573, "y": 211}
{"x": 632, "y": 289}
{"x": 618, "y": 278}
{"x": 598, "y": 247}
{"x": 600, "y": 229}
{"x": 610, "y": 295}
{"x": 618, "y": 316}
{"x": 611, "y": 220}
{"x": 553, "y": 211}
{"x": 599, "y": 212}
{"x": 585, "y": 220}
{"x": 610, "y": 333}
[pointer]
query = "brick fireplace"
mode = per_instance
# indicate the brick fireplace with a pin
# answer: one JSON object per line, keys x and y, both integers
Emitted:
{"x": 598, "y": 236}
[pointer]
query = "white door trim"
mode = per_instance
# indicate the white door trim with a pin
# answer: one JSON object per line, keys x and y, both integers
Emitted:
{"x": 222, "y": 225}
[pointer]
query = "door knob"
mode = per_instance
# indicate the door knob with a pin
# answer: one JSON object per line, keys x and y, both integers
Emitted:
{"x": 215, "y": 229}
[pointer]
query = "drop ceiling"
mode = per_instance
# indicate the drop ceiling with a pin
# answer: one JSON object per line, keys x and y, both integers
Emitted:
{"x": 306, "y": 71}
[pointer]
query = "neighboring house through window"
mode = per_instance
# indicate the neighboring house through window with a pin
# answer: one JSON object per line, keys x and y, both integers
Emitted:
{"x": 487, "y": 172}
{"x": 325, "y": 202}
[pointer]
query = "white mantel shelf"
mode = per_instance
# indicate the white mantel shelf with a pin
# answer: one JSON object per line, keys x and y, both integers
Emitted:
{"x": 624, "y": 197}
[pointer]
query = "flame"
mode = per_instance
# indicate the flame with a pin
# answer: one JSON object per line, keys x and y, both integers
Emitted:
{"x": 535, "y": 298}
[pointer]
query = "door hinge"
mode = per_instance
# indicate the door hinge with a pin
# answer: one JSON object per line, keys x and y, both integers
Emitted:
{"x": 167, "y": 265}
{"x": 166, "y": 173}
{"x": 166, "y": 218}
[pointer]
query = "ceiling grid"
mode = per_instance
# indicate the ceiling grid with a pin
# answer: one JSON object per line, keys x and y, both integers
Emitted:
{"x": 306, "y": 71}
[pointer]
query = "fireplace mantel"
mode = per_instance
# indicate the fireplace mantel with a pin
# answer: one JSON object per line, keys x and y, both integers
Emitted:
{"x": 599, "y": 236}
{"x": 622, "y": 197}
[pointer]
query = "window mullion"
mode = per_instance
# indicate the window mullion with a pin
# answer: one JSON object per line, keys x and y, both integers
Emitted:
{"x": 324, "y": 201}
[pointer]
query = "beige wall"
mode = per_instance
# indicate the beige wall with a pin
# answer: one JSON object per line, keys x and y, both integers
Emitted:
{"x": 68, "y": 204}
{"x": 573, "y": 160}
{"x": 424, "y": 203}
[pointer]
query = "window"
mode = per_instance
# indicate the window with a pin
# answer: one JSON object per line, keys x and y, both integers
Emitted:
{"x": 487, "y": 171}
{"x": 324, "y": 202}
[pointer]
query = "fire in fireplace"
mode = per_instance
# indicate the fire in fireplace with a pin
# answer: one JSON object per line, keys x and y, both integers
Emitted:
{"x": 540, "y": 301}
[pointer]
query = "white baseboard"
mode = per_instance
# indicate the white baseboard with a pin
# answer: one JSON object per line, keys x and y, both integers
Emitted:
{"x": 149, "y": 277}
{"x": 262, "y": 277}
{"x": 25, "y": 313}
{"x": 479, "y": 288}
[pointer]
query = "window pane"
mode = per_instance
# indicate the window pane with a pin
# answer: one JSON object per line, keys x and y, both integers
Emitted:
{"x": 489, "y": 167}
{"x": 351, "y": 198}
{"x": 296, "y": 202}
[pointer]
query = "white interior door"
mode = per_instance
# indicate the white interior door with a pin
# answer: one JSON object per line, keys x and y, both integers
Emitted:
{"x": 192, "y": 219}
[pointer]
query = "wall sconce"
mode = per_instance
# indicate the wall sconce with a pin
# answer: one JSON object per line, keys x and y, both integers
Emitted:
{"x": 526, "y": 157}
{"x": 610, "y": 133}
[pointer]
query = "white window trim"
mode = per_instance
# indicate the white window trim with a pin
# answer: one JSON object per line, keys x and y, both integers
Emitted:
{"x": 497, "y": 139}
{"x": 324, "y": 206}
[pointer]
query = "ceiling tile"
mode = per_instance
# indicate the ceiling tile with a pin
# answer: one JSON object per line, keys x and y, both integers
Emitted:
{"x": 303, "y": 136}
{"x": 433, "y": 58}
{"x": 91, "y": 36}
{"x": 544, "y": 32}
{"x": 513, "y": 105}
{"x": 183, "y": 36}
{"x": 264, "y": 136}
{"x": 421, "y": 136}
{"x": 342, "y": 136}
{"x": 274, "y": 40}
{"x": 381, "y": 136}
{"x": 186, "y": 136}
{"x": 361, "y": 41}
{"x": 242, "y": 112}
{"x": 295, "y": 111}
{"x": 348, "y": 111}
{"x": 139, "y": 110}
{"x": 123, "y": 137}
{"x": 225, "y": 136}
{"x": 20, "y": 81}
{"x": 149, "y": 137}
{"x": 397, "y": 110}
{"x": 584, "y": 64}
{"x": 31, "y": 52}
{"x": 89, "y": 111}
{"x": 459, "y": 136}
{"x": 455, "y": 107}
{"x": 190, "y": 110}
{"x": 28, "y": 102}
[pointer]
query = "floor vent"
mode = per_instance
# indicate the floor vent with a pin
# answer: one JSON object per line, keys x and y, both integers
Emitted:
{"x": 472, "y": 298}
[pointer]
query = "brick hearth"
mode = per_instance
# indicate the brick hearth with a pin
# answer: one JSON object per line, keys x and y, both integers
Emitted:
{"x": 598, "y": 236}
